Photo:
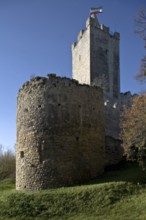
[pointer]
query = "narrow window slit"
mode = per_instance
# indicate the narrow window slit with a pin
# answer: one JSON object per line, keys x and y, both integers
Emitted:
{"x": 21, "y": 154}
{"x": 77, "y": 138}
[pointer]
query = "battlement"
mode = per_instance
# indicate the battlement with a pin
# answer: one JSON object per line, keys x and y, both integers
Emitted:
{"x": 126, "y": 98}
{"x": 79, "y": 37}
{"x": 80, "y": 34}
{"x": 93, "y": 23}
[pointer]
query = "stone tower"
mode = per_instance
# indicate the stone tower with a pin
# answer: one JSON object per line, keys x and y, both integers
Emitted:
{"x": 96, "y": 52}
{"x": 60, "y": 139}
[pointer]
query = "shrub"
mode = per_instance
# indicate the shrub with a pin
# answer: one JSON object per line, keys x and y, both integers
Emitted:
{"x": 7, "y": 164}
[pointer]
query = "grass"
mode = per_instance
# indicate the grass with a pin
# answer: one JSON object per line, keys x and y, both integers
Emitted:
{"x": 119, "y": 194}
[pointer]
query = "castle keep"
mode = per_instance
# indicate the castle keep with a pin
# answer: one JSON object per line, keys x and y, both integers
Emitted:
{"x": 96, "y": 60}
{"x": 68, "y": 130}
{"x": 96, "y": 53}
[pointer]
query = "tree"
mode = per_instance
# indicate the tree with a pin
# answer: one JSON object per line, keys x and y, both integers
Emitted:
{"x": 7, "y": 164}
{"x": 133, "y": 129}
{"x": 140, "y": 22}
{"x": 133, "y": 118}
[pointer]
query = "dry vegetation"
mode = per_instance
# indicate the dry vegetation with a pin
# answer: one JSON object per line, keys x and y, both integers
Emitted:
{"x": 140, "y": 22}
{"x": 7, "y": 164}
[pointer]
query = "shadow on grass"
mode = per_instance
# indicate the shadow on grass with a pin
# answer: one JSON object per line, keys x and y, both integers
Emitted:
{"x": 124, "y": 171}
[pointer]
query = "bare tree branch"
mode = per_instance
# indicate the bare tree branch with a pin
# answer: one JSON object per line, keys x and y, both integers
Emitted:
{"x": 140, "y": 22}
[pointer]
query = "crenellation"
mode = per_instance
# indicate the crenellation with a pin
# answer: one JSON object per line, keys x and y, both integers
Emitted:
{"x": 73, "y": 45}
{"x": 88, "y": 22}
{"x": 80, "y": 35}
{"x": 117, "y": 35}
{"x": 104, "y": 28}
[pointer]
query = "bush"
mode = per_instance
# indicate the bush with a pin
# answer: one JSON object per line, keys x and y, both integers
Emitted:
{"x": 7, "y": 164}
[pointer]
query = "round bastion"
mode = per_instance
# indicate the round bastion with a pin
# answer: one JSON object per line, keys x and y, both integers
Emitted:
{"x": 60, "y": 133}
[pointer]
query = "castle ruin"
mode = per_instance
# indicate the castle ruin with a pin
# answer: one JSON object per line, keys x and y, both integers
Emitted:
{"x": 60, "y": 133}
{"x": 68, "y": 132}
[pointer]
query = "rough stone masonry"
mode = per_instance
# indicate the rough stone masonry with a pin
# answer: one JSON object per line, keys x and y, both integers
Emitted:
{"x": 60, "y": 133}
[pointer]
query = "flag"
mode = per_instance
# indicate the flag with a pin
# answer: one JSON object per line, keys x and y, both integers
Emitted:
{"x": 96, "y": 10}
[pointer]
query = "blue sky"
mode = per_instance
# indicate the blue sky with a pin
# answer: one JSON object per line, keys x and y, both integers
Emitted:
{"x": 36, "y": 38}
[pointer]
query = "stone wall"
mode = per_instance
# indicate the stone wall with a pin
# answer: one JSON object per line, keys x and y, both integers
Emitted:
{"x": 81, "y": 58}
{"x": 113, "y": 151}
{"x": 104, "y": 49}
{"x": 126, "y": 98}
{"x": 60, "y": 133}
{"x": 113, "y": 148}
{"x": 112, "y": 117}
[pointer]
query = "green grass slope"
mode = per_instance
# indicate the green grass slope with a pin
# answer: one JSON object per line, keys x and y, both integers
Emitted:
{"x": 119, "y": 194}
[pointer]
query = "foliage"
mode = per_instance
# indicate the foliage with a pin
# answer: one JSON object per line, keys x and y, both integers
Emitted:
{"x": 133, "y": 126}
{"x": 7, "y": 164}
{"x": 140, "y": 22}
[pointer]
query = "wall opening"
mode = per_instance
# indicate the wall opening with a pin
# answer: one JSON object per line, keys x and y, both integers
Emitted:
{"x": 77, "y": 138}
{"x": 21, "y": 154}
{"x": 26, "y": 110}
